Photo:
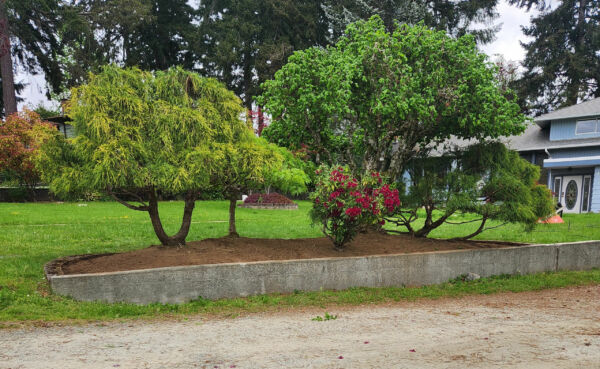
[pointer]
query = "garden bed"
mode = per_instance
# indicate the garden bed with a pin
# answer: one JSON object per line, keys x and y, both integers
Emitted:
{"x": 239, "y": 250}
{"x": 271, "y": 200}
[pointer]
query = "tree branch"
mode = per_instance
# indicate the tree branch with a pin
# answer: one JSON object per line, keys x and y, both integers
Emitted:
{"x": 142, "y": 207}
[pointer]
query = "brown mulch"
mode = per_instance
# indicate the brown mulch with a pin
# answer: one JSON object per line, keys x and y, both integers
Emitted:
{"x": 232, "y": 250}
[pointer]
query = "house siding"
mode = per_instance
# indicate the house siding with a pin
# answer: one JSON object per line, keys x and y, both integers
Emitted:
{"x": 575, "y": 153}
{"x": 565, "y": 130}
{"x": 595, "y": 207}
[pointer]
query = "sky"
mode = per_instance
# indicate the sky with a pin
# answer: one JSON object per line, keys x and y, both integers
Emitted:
{"x": 506, "y": 44}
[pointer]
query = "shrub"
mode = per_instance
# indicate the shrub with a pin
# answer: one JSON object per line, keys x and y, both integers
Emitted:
{"x": 20, "y": 136}
{"x": 344, "y": 204}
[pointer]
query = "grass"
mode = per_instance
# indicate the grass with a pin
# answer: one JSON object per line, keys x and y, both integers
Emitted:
{"x": 33, "y": 234}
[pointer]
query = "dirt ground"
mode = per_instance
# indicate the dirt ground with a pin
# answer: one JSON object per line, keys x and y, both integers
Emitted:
{"x": 230, "y": 250}
{"x": 547, "y": 329}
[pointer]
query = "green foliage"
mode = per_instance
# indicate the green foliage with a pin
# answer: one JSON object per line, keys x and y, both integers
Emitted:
{"x": 245, "y": 42}
{"x": 149, "y": 34}
{"x": 291, "y": 176}
{"x": 561, "y": 61}
{"x": 344, "y": 204}
{"x": 484, "y": 179}
{"x": 375, "y": 99}
{"x": 34, "y": 31}
{"x": 142, "y": 134}
{"x": 324, "y": 318}
{"x": 20, "y": 137}
{"x": 138, "y": 130}
{"x": 454, "y": 17}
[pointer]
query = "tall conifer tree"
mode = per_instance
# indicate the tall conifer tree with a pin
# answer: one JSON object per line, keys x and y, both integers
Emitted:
{"x": 562, "y": 64}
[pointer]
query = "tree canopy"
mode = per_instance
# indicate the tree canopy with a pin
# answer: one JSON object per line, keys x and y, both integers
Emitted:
{"x": 485, "y": 180}
{"x": 376, "y": 99}
{"x": 20, "y": 136}
{"x": 562, "y": 66}
{"x": 455, "y": 17}
{"x": 142, "y": 134}
{"x": 29, "y": 36}
{"x": 244, "y": 43}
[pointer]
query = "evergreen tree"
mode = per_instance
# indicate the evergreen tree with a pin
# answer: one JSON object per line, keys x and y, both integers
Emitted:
{"x": 454, "y": 17}
{"x": 245, "y": 42}
{"x": 562, "y": 64}
{"x": 29, "y": 37}
{"x": 152, "y": 34}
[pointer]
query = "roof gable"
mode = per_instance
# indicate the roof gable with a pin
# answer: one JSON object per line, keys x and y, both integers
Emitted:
{"x": 588, "y": 108}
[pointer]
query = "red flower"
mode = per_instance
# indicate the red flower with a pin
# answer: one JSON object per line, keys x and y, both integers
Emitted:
{"x": 353, "y": 212}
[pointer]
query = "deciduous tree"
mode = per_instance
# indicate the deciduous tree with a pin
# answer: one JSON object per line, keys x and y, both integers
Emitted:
{"x": 376, "y": 99}
{"x": 20, "y": 136}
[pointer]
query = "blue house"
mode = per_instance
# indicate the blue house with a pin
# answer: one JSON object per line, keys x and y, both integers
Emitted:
{"x": 566, "y": 145}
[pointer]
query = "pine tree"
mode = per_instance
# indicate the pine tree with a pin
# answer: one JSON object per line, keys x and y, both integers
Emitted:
{"x": 454, "y": 17}
{"x": 245, "y": 42}
{"x": 29, "y": 38}
{"x": 562, "y": 66}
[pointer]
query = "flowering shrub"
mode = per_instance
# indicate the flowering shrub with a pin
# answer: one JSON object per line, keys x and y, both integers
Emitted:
{"x": 20, "y": 135}
{"x": 343, "y": 203}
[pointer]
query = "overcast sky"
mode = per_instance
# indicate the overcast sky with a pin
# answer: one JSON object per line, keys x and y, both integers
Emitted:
{"x": 506, "y": 44}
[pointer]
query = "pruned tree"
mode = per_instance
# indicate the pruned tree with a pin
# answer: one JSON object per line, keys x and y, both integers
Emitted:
{"x": 486, "y": 180}
{"x": 141, "y": 135}
{"x": 377, "y": 99}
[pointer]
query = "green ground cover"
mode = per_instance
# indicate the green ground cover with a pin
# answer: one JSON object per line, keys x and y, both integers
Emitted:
{"x": 33, "y": 234}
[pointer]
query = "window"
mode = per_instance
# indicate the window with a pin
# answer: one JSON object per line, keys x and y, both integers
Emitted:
{"x": 586, "y": 126}
{"x": 557, "y": 183}
{"x": 586, "y": 193}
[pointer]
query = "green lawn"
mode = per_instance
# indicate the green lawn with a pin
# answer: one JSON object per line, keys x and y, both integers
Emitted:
{"x": 33, "y": 234}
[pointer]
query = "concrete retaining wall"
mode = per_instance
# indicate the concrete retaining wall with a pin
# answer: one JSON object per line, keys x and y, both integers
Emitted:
{"x": 182, "y": 284}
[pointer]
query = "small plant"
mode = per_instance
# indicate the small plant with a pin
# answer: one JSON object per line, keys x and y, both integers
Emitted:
{"x": 327, "y": 316}
{"x": 343, "y": 204}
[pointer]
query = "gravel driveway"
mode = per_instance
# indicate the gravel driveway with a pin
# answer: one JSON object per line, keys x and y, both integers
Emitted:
{"x": 548, "y": 329}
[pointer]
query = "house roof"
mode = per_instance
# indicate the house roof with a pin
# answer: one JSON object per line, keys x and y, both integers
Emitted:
{"x": 535, "y": 138}
{"x": 588, "y": 108}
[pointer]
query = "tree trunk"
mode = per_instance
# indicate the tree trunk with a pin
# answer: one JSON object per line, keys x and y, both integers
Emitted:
{"x": 9, "y": 97}
{"x": 232, "y": 206}
{"x": 179, "y": 238}
{"x": 261, "y": 121}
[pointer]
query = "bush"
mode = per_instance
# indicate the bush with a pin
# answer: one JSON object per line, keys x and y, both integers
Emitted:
{"x": 344, "y": 204}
